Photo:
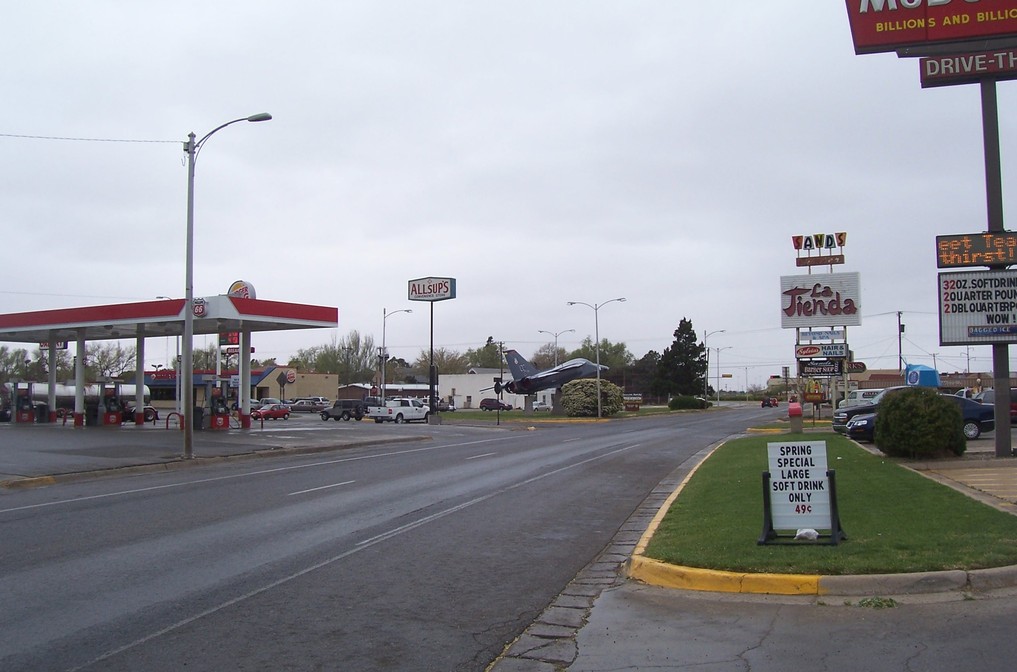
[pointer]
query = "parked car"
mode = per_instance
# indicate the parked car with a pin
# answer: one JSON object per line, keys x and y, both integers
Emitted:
{"x": 842, "y": 415}
{"x": 307, "y": 406}
{"x": 492, "y": 404}
{"x": 446, "y": 406}
{"x": 344, "y": 409}
{"x": 151, "y": 413}
{"x": 272, "y": 412}
{"x": 988, "y": 397}
{"x": 266, "y": 401}
{"x": 862, "y": 427}
{"x": 769, "y": 402}
{"x": 978, "y": 418}
{"x": 541, "y": 406}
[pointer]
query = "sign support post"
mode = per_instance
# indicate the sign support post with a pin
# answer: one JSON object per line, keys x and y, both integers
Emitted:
{"x": 994, "y": 207}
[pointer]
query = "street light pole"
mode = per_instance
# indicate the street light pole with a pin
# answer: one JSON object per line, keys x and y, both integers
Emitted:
{"x": 706, "y": 375}
{"x": 556, "y": 335}
{"x": 191, "y": 148}
{"x": 726, "y": 347}
{"x": 384, "y": 353}
{"x": 596, "y": 327}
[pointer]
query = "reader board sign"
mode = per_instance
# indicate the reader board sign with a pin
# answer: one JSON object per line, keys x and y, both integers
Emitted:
{"x": 888, "y": 25}
{"x": 799, "y": 485}
{"x": 988, "y": 248}
{"x": 978, "y": 307}
{"x": 821, "y": 300}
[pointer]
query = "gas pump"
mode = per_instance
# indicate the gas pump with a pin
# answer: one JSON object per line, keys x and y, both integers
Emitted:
{"x": 23, "y": 410}
{"x": 220, "y": 410}
{"x": 110, "y": 408}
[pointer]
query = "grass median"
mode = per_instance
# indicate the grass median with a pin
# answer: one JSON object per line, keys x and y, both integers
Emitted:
{"x": 895, "y": 519}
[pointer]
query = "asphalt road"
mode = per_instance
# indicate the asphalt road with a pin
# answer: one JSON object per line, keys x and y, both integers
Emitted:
{"x": 430, "y": 555}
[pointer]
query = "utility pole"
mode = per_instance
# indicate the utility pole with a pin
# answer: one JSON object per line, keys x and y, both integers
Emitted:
{"x": 900, "y": 334}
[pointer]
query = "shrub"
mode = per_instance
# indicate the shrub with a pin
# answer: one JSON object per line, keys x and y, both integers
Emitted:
{"x": 579, "y": 398}
{"x": 684, "y": 402}
{"x": 919, "y": 423}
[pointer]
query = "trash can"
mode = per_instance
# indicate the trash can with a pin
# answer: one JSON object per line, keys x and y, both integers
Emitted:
{"x": 198, "y": 417}
{"x": 794, "y": 412}
{"x": 41, "y": 413}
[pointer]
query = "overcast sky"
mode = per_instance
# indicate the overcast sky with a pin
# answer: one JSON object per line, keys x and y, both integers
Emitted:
{"x": 537, "y": 151}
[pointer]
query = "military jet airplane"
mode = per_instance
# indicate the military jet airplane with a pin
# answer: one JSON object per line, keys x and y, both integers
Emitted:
{"x": 527, "y": 380}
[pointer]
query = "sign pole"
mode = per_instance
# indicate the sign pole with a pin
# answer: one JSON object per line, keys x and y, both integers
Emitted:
{"x": 994, "y": 208}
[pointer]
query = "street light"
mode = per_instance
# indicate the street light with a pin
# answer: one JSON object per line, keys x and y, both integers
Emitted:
{"x": 384, "y": 353}
{"x": 596, "y": 326}
{"x": 706, "y": 375}
{"x": 726, "y": 347}
{"x": 556, "y": 335}
{"x": 191, "y": 148}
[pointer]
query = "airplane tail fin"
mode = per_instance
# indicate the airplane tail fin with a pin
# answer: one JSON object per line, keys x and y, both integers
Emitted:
{"x": 518, "y": 366}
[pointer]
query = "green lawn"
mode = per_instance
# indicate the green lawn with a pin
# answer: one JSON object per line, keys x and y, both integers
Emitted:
{"x": 895, "y": 520}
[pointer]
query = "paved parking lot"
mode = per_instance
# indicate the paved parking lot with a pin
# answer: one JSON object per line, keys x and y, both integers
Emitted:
{"x": 979, "y": 474}
{"x": 31, "y": 451}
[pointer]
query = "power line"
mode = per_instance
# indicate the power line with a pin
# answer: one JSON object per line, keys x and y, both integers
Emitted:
{"x": 80, "y": 139}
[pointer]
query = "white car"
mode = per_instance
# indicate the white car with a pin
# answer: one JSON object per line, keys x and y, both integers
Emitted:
{"x": 541, "y": 406}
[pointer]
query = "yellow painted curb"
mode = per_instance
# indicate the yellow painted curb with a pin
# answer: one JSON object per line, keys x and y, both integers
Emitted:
{"x": 31, "y": 482}
{"x": 658, "y": 573}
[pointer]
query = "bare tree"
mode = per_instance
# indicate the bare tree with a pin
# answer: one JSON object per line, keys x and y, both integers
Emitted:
{"x": 110, "y": 360}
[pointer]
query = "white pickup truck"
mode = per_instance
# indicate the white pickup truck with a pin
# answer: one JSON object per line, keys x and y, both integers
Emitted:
{"x": 399, "y": 411}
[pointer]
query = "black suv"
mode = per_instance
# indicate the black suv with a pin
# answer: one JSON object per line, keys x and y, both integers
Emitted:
{"x": 842, "y": 415}
{"x": 344, "y": 409}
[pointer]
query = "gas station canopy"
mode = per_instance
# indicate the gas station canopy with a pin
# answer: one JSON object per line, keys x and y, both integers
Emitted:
{"x": 145, "y": 319}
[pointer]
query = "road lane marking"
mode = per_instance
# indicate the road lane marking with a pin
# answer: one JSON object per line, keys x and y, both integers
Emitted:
{"x": 323, "y": 487}
{"x": 261, "y": 472}
{"x": 361, "y": 546}
{"x": 477, "y": 457}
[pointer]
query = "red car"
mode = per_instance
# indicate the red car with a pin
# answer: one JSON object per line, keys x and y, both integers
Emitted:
{"x": 272, "y": 412}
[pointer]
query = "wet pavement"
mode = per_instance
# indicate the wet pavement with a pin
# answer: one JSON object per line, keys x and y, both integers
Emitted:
{"x": 572, "y": 633}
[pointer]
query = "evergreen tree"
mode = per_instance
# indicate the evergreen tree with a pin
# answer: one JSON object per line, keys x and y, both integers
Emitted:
{"x": 682, "y": 366}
